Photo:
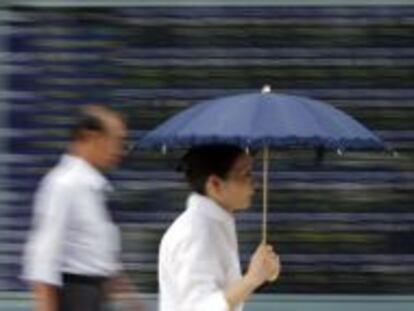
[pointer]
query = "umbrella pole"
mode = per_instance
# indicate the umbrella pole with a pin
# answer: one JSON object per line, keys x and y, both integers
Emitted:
{"x": 265, "y": 192}
{"x": 265, "y": 201}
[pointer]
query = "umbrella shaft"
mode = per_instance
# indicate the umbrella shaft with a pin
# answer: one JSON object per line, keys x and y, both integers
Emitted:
{"x": 265, "y": 192}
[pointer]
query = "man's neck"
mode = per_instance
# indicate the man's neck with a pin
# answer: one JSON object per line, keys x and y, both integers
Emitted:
{"x": 82, "y": 151}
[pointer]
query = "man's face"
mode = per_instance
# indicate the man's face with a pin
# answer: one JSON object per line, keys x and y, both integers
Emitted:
{"x": 238, "y": 189}
{"x": 109, "y": 145}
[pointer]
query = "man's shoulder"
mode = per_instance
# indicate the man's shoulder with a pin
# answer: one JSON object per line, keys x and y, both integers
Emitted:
{"x": 61, "y": 176}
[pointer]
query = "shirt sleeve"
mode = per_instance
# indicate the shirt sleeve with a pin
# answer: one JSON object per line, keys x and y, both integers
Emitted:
{"x": 200, "y": 273}
{"x": 43, "y": 253}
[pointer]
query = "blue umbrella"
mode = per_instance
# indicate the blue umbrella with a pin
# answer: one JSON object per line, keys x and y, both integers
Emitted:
{"x": 263, "y": 120}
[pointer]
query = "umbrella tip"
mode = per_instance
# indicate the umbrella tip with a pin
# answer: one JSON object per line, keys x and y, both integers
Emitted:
{"x": 164, "y": 149}
{"x": 266, "y": 89}
{"x": 394, "y": 153}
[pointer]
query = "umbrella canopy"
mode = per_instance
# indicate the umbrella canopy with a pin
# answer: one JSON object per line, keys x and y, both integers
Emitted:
{"x": 263, "y": 119}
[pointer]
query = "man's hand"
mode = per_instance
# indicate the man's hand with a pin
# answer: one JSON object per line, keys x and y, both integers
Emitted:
{"x": 121, "y": 288}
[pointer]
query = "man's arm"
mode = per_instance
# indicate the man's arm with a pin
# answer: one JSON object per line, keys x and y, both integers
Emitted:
{"x": 43, "y": 251}
{"x": 46, "y": 297}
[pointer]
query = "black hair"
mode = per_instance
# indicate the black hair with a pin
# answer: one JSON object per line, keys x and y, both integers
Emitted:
{"x": 200, "y": 162}
{"x": 86, "y": 121}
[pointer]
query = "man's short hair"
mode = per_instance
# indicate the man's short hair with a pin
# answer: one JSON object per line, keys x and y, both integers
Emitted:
{"x": 200, "y": 162}
{"x": 90, "y": 118}
{"x": 86, "y": 123}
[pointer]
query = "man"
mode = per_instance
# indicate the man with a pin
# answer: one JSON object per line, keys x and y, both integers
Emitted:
{"x": 199, "y": 267}
{"x": 73, "y": 250}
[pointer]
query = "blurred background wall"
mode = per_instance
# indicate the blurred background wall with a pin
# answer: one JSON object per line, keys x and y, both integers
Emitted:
{"x": 344, "y": 227}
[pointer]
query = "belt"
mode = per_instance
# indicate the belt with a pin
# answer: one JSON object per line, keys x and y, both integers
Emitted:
{"x": 69, "y": 278}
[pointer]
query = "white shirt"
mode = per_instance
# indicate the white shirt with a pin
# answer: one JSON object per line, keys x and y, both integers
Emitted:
{"x": 72, "y": 230}
{"x": 198, "y": 258}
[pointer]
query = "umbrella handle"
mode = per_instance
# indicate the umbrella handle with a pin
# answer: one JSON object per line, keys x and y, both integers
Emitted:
{"x": 265, "y": 193}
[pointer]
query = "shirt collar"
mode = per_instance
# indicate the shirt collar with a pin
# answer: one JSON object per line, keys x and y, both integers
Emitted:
{"x": 90, "y": 173}
{"x": 209, "y": 208}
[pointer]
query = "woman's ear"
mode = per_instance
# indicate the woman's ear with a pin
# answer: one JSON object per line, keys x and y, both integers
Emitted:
{"x": 213, "y": 185}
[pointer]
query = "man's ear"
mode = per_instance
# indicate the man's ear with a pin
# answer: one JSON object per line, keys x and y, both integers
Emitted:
{"x": 88, "y": 135}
